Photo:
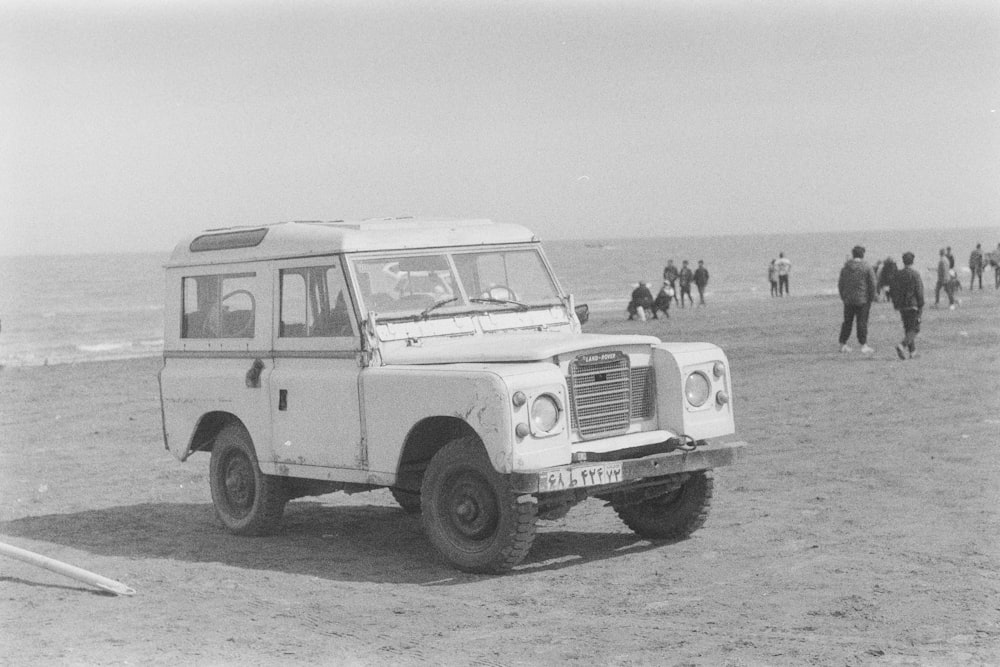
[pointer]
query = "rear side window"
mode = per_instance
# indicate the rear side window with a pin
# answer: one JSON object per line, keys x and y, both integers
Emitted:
{"x": 315, "y": 303}
{"x": 219, "y": 306}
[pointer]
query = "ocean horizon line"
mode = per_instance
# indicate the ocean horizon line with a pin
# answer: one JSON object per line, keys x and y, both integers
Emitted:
{"x": 838, "y": 232}
{"x": 592, "y": 239}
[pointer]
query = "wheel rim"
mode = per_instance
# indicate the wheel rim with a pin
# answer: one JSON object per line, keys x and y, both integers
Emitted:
{"x": 239, "y": 484}
{"x": 470, "y": 508}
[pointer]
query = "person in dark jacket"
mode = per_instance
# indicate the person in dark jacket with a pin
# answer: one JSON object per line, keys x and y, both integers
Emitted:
{"x": 641, "y": 298}
{"x": 701, "y": 281}
{"x": 976, "y": 265}
{"x": 663, "y": 299}
{"x": 907, "y": 293}
{"x": 670, "y": 275}
{"x": 942, "y": 279}
{"x": 685, "y": 278}
{"x": 885, "y": 275}
{"x": 857, "y": 291}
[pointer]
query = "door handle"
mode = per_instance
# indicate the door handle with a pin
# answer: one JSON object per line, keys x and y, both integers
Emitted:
{"x": 282, "y": 399}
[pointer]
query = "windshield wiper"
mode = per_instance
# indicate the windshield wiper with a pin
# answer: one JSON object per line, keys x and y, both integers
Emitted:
{"x": 502, "y": 302}
{"x": 437, "y": 304}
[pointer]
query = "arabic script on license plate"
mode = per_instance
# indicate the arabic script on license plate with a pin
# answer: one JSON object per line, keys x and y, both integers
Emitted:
{"x": 592, "y": 475}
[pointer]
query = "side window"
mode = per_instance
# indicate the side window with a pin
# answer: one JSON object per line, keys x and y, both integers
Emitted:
{"x": 219, "y": 306}
{"x": 314, "y": 303}
{"x": 293, "y": 303}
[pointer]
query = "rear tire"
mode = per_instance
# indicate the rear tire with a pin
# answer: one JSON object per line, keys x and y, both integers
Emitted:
{"x": 470, "y": 513}
{"x": 672, "y": 516}
{"x": 247, "y": 501}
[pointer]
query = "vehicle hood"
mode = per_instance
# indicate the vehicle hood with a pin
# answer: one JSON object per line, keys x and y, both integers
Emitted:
{"x": 504, "y": 347}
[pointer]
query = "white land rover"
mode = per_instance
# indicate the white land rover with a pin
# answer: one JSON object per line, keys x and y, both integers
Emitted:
{"x": 440, "y": 359}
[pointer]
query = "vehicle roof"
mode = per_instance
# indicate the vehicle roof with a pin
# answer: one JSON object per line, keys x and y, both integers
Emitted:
{"x": 307, "y": 238}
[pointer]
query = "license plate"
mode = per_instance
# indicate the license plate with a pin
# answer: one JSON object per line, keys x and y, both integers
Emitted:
{"x": 578, "y": 476}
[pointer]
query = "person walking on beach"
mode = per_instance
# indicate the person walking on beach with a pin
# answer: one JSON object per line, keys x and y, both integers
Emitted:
{"x": 993, "y": 259}
{"x": 976, "y": 265}
{"x": 907, "y": 292}
{"x": 942, "y": 279}
{"x": 951, "y": 258}
{"x": 684, "y": 278}
{"x": 670, "y": 275}
{"x": 953, "y": 286}
{"x": 857, "y": 291}
{"x": 772, "y": 277}
{"x": 996, "y": 267}
{"x": 700, "y": 281}
{"x": 784, "y": 268}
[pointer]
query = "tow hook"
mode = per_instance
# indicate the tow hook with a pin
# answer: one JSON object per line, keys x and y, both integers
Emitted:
{"x": 685, "y": 443}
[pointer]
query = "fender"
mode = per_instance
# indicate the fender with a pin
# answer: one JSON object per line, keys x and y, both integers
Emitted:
{"x": 397, "y": 397}
{"x": 189, "y": 385}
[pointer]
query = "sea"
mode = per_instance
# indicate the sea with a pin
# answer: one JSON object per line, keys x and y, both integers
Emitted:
{"x": 59, "y": 309}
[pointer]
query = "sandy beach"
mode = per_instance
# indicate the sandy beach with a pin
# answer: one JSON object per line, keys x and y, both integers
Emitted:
{"x": 861, "y": 529}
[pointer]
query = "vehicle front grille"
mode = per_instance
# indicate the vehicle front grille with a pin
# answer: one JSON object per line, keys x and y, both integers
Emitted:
{"x": 642, "y": 393}
{"x": 606, "y": 394}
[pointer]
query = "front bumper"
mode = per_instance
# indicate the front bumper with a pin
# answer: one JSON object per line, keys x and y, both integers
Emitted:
{"x": 610, "y": 473}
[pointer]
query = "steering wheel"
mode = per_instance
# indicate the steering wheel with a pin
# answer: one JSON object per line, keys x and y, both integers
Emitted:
{"x": 247, "y": 328}
{"x": 500, "y": 293}
{"x": 253, "y": 301}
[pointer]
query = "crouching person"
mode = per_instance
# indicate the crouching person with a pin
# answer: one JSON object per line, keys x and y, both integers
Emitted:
{"x": 663, "y": 299}
{"x": 641, "y": 303}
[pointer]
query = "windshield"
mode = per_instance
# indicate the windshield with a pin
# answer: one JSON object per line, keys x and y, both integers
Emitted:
{"x": 425, "y": 285}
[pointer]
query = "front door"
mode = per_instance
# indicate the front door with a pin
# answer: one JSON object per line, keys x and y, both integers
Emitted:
{"x": 314, "y": 384}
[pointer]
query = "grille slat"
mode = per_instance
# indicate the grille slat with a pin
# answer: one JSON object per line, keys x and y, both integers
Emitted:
{"x": 607, "y": 395}
{"x": 602, "y": 407}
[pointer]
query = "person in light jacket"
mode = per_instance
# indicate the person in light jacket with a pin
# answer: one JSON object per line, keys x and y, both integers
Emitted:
{"x": 857, "y": 291}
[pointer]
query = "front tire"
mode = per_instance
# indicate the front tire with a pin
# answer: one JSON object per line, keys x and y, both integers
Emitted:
{"x": 470, "y": 513}
{"x": 408, "y": 500}
{"x": 674, "y": 515}
{"x": 247, "y": 501}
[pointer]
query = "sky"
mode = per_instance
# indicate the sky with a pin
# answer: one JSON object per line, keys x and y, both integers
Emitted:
{"x": 127, "y": 125}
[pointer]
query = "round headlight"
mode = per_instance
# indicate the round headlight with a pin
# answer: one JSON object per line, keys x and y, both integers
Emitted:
{"x": 544, "y": 413}
{"x": 697, "y": 389}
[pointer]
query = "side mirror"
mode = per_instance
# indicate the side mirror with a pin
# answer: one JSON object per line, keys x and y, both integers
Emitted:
{"x": 582, "y": 313}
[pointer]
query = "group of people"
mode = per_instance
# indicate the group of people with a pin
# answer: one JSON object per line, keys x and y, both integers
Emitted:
{"x": 676, "y": 289}
{"x": 777, "y": 274}
{"x": 947, "y": 279}
{"x": 859, "y": 288}
{"x": 978, "y": 261}
{"x": 860, "y": 285}
{"x": 947, "y": 276}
